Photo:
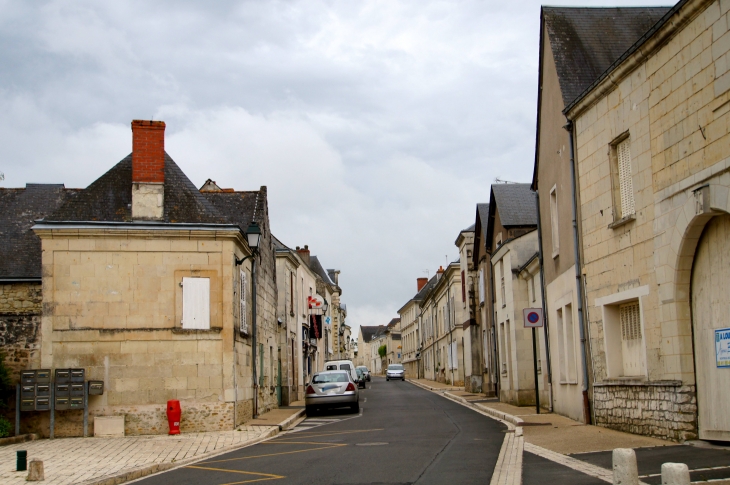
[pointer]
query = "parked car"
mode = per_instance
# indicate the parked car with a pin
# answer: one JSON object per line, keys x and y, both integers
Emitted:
{"x": 360, "y": 378}
{"x": 331, "y": 389}
{"x": 365, "y": 371}
{"x": 395, "y": 371}
{"x": 342, "y": 365}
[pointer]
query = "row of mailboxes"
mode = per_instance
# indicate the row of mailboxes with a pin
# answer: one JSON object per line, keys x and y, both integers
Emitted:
{"x": 68, "y": 387}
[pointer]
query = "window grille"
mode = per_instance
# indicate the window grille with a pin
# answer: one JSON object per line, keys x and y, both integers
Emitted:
{"x": 630, "y": 321}
{"x": 626, "y": 187}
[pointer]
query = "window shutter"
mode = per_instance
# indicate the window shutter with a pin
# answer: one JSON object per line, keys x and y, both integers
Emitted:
{"x": 463, "y": 287}
{"x": 196, "y": 303}
{"x": 626, "y": 186}
{"x": 243, "y": 310}
{"x": 630, "y": 321}
{"x": 481, "y": 285}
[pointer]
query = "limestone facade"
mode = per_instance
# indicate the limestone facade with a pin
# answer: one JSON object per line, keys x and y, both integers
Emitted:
{"x": 668, "y": 105}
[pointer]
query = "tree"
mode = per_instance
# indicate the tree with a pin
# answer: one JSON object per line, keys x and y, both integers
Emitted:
{"x": 382, "y": 350}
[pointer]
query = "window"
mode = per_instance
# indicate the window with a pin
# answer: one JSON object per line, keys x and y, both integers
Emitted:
{"x": 566, "y": 345}
{"x": 499, "y": 239}
{"x": 463, "y": 287}
{"x": 503, "y": 348}
{"x": 624, "y": 333}
{"x": 554, "y": 220}
{"x": 243, "y": 309}
{"x": 196, "y": 303}
{"x": 623, "y": 187}
{"x": 291, "y": 293}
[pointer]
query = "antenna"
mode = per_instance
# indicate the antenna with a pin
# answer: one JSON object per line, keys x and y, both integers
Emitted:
{"x": 2, "y": 176}
{"x": 500, "y": 181}
{"x": 428, "y": 274}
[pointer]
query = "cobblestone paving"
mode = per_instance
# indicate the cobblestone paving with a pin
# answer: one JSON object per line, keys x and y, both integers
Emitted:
{"x": 74, "y": 461}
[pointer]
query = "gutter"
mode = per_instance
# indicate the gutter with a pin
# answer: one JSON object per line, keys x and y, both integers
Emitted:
{"x": 545, "y": 329}
{"x": 141, "y": 225}
{"x": 21, "y": 279}
{"x": 570, "y": 127}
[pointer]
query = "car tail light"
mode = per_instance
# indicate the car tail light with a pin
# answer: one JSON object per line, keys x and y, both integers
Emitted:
{"x": 350, "y": 387}
{"x": 310, "y": 390}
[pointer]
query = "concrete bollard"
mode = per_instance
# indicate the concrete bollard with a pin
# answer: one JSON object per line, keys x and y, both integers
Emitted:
{"x": 625, "y": 471}
{"x": 675, "y": 474}
{"x": 35, "y": 471}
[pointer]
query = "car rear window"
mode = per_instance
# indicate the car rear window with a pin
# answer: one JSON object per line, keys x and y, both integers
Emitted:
{"x": 325, "y": 378}
{"x": 331, "y": 367}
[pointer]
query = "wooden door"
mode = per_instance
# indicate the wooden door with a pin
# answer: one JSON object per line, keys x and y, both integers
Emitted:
{"x": 711, "y": 312}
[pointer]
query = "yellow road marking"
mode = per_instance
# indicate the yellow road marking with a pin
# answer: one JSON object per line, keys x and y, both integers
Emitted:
{"x": 332, "y": 445}
{"x": 266, "y": 476}
{"x": 303, "y": 435}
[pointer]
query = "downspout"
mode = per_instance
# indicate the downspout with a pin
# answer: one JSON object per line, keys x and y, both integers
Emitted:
{"x": 544, "y": 304}
{"x": 497, "y": 368}
{"x": 579, "y": 287}
{"x": 253, "y": 338}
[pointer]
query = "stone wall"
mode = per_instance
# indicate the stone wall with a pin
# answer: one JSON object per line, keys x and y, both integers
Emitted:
{"x": 662, "y": 410}
{"x": 20, "y": 310}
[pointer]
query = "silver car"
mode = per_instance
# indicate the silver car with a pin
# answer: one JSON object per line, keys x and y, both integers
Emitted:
{"x": 395, "y": 371}
{"x": 332, "y": 389}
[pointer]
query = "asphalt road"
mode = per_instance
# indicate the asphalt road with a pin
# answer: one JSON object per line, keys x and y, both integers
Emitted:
{"x": 402, "y": 435}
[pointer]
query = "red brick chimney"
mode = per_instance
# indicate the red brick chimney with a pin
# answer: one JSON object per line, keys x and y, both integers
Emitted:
{"x": 148, "y": 151}
{"x": 421, "y": 283}
{"x": 304, "y": 254}
{"x": 148, "y": 170}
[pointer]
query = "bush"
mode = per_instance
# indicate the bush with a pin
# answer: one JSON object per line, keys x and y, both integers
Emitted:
{"x": 6, "y": 427}
{"x": 6, "y": 383}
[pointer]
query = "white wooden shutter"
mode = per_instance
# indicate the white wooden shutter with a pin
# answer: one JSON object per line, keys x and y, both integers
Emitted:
{"x": 626, "y": 186}
{"x": 243, "y": 310}
{"x": 454, "y": 356}
{"x": 631, "y": 341}
{"x": 196, "y": 303}
{"x": 481, "y": 286}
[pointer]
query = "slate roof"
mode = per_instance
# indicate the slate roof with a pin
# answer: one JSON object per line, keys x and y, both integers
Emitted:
{"x": 393, "y": 323}
{"x": 483, "y": 213}
{"x": 586, "y": 41}
{"x": 238, "y": 207}
{"x": 421, "y": 295}
{"x": 109, "y": 199}
{"x": 369, "y": 332}
{"x": 317, "y": 267}
{"x": 20, "y": 251}
{"x": 516, "y": 204}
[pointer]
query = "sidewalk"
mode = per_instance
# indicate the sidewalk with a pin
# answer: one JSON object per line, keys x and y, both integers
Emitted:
{"x": 568, "y": 451}
{"x": 435, "y": 386}
{"x": 107, "y": 461}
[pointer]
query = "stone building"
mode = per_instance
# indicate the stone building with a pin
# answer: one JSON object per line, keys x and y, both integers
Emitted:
{"x": 442, "y": 336}
{"x": 364, "y": 339}
{"x": 571, "y": 58}
{"x": 473, "y": 344}
{"x": 146, "y": 285}
{"x": 512, "y": 242}
{"x": 410, "y": 315}
{"x": 651, "y": 138}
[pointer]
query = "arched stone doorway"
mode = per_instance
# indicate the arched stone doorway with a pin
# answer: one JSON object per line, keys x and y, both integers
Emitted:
{"x": 710, "y": 303}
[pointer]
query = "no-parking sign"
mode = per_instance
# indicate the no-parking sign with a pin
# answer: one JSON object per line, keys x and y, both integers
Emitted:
{"x": 533, "y": 317}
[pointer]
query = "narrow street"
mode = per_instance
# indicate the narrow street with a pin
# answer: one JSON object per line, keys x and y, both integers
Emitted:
{"x": 403, "y": 434}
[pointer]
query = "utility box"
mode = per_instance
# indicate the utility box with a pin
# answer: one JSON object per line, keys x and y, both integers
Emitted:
{"x": 109, "y": 426}
{"x": 96, "y": 388}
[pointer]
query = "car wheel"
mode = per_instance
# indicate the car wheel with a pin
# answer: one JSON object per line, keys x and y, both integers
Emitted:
{"x": 386, "y": 379}
{"x": 310, "y": 411}
{"x": 355, "y": 407}
{"x": 403, "y": 379}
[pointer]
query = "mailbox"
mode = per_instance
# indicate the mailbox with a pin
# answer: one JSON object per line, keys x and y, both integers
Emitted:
{"x": 43, "y": 376}
{"x": 27, "y": 377}
{"x": 27, "y": 391}
{"x": 63, "y": 376}
{"x": 77, "y": 390}
{"x": 63, "y": 389}
{"x": 27, "y": 404}
{"x": 62, "y": 403}
{"x": 43, "y": 390}
{"x": 76, "y": 403}
{"x": 96, "y": 388}
{"x": 77, "y": 376}
{"x": 42, "y": 404}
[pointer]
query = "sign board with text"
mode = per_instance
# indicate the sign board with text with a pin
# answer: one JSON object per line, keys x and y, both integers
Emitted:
{"x": 722, "y": 347}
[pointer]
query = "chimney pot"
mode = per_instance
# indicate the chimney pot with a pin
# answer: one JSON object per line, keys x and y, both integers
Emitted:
{"x": 421, "y": 282}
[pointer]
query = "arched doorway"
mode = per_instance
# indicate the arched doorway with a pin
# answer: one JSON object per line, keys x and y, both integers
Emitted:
{"x": 710, "y": 290}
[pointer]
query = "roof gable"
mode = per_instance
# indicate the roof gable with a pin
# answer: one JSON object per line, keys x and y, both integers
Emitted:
{"x": 516, "y": 204}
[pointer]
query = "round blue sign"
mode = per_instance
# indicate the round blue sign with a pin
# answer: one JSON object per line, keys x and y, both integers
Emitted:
{"x": 533, "y": 317}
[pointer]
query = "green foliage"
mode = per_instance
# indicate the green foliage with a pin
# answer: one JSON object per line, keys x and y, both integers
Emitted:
{"x": 6, "y": 427}
{"x": 6, "y": 383}
{"x": 382, "y": 350}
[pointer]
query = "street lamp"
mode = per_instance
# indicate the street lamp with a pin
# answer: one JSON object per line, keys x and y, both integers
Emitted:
{"x": 253, "y": 238}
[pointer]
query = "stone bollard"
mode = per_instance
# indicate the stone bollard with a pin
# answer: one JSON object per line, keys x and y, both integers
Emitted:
{"x": 675, "y": 474}
{"x": 35, "y": 471}
{"x": 625, "y": 471}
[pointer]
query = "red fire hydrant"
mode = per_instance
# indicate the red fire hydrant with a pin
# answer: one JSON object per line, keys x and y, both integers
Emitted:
{"x": 173, "y": 416}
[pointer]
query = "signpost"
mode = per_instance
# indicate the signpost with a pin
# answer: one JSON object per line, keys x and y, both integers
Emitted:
{"x": 533, "y": 319}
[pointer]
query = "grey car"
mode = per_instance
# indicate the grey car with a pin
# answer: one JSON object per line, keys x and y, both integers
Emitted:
{"x": 332, "y": 389}
{"x": 395, "y": 371}
{"x": 365, "y": 371}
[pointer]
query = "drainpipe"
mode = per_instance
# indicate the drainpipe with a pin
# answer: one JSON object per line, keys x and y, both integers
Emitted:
{"x": 581, "y": 319}
{"x": 495, "y": 354}
{"x": 544, "y": 305}
{"x": 253, "y": 339}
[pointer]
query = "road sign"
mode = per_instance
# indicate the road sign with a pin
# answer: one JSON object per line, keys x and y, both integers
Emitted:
{"x": 533, "y": 317}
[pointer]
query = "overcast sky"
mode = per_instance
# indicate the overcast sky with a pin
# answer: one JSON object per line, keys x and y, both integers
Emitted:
{"x": 376, "y": 126}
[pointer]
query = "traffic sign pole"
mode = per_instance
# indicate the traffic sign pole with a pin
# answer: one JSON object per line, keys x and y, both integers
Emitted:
{"x": 534, "y": 361}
